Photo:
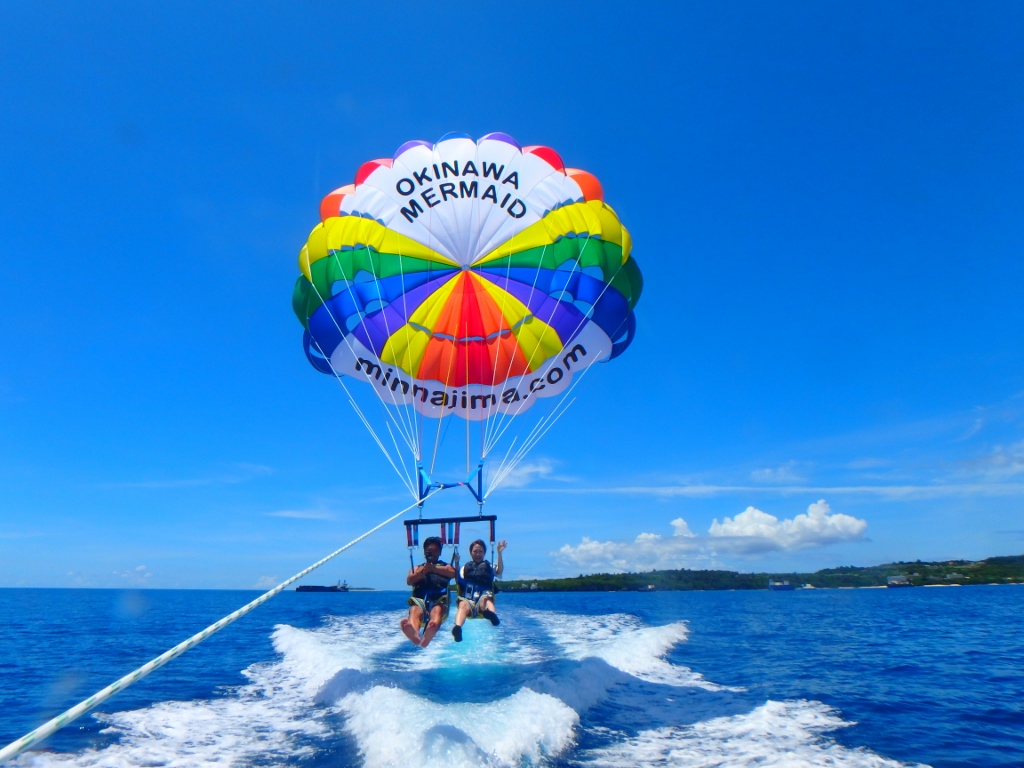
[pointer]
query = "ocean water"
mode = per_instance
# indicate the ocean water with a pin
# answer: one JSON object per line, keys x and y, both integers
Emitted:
{"x": 844, "y": 678}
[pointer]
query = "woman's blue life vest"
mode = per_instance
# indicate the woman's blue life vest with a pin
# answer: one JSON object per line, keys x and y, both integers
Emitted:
{"x": 475, "y": 578}
{"x": 432, "y": 585}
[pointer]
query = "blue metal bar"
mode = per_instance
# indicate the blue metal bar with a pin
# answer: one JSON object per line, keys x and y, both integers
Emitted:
{"x": 478, "y": 491}
{"x": 474, "y": 484}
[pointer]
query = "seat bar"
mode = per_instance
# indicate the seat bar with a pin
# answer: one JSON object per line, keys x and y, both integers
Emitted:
{"x": 436, "y": 520}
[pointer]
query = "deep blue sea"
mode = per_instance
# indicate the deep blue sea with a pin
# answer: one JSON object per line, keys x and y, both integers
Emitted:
{"x": 868, "y": 677}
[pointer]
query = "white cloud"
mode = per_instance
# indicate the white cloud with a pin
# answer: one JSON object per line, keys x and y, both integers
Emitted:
{"x": 240, "y": 473}
{"x": 754, "y": 531}
{"x": 888, "y": 492}
{"x": 136, "y": 576}
{"x": 785, "y": 473}
{"x": 266, "y": 582}
{"x": 1003, "y": 462}
{"x": 751, "y": 532}
{"x": 680, "y": 528}
{"x": 527, "y": 472}
{"x": 302, "y": 514}
{"x": 648, "y": 551}
{"x": 18, "y": 535}
{"x": 972, "y": 430}
{"x": 867, "y": 463}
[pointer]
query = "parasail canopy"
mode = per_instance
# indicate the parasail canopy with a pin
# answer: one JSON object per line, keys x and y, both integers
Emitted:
{"x": 466, "y": 278}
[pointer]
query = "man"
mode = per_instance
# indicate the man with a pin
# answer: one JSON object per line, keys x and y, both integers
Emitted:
{"x": 429, "y": 601}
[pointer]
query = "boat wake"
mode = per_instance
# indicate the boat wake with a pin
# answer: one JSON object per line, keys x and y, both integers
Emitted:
{"x": 547, "y": 689}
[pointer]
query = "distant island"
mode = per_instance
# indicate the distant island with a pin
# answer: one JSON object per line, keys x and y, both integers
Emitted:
{"x": 994, "y": 570}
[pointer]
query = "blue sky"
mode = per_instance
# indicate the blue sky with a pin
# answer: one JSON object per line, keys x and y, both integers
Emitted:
{"x": 824, "y": 199}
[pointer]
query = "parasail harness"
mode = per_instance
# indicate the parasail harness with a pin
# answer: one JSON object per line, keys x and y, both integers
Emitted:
{"x": 450, "y": 532}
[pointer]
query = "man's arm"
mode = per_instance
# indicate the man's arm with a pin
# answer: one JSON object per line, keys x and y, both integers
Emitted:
{"x": 445, "y": 571}
{"x": 416, "y": 575}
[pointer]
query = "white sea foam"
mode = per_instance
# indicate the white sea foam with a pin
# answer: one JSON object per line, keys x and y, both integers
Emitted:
{"x": 273, "y": 717}
{"x": 222, "y": 732}
{"x": 624, "y": 643}
{"x": 312, "y": 657}
{"x": 775, "y": 735}
{"x": 603, "y": 678}
{"x": 394, "y": 727}
{"x": 482, "y": 644}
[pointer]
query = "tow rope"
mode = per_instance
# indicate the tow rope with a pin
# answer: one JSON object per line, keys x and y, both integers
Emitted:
{"x": 47, "y": 729}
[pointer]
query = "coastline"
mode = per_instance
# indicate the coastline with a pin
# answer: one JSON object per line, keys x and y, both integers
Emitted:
{"x": 947, "y": 573}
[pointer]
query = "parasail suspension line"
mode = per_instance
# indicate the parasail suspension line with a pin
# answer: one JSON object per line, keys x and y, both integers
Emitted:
{"x": 498, "y": 431}
{"x": 398, "y": 451}
{"x": 492, "y": 427}
{"x": 366, "y": 423}
{"x": 387, "y": 413}
{"x": 54, "y": 725}
{"x": 407, "y": 422}
{"x": 529, "y": 444}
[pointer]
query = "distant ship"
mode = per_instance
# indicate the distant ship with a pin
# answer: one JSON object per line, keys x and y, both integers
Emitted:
{"x": 341, "y": 586}
{"x": 780, "y": 585}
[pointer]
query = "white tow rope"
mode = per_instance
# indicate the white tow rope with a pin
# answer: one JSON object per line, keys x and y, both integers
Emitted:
{"x": 20, "y": 745}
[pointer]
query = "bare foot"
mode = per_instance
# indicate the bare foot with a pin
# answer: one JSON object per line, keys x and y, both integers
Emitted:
{"x": 428, "y": 634}
{"x": 409, "y": 631}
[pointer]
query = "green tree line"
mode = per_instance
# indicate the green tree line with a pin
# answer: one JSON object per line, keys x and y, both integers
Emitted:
{"x": 993, "y": 570}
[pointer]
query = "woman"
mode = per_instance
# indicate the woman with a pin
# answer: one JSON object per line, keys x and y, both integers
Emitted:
{"x": 429, "y": 601}
{"x": 476, "y": 587}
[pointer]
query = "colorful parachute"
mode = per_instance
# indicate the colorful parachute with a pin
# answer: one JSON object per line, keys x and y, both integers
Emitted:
{"x": 466, "y": 278}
